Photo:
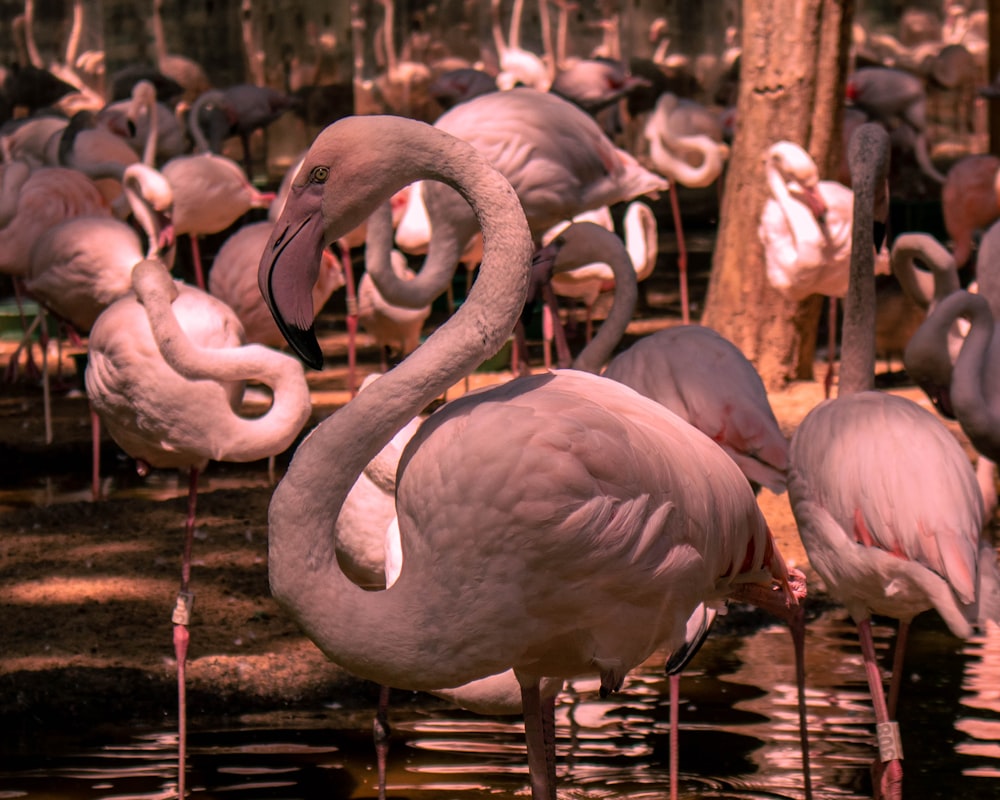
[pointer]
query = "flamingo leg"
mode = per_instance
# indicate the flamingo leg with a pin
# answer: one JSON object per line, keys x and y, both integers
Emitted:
{"x": 541, "y": 766}
{"x": 887, "y": 771}
{"x": 797, "y": 627}
{"x": 675, "y": 209}
{"x": 381, "y": 731}
{"x": 199, "y": 272}
{"x": 46, "y": 382}
{"x": 897, "y": 667}
{"x": 95, "y": 436}
{"x": 675, "y": 692}
{"x": 30, "y": 369}
{"x": 181, "y": 619}
{"x": 563, "y": 355}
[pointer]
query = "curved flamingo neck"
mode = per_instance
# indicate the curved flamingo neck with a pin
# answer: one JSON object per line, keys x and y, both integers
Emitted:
{"x": 926, "y": 289}
{"x": 970, "y": 397}
{"x": 451, "y": 232}
{"x": 305, "y": 575}
{"x": 246, "y": 439}
{"x": 868, "y": 157}
{"x": 662, "y": 151}
{"x": 609, "y": 249}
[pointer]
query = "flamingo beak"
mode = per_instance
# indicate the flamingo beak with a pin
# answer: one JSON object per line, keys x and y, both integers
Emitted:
{"x": 289, "y": 268}
{"x": 814, "y": 200}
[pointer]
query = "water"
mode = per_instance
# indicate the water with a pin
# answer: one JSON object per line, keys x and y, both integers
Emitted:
{"x": 738, "y": 740}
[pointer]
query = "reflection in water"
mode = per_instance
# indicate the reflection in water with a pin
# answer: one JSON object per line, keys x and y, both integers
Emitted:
{"x": 739, "y": 735}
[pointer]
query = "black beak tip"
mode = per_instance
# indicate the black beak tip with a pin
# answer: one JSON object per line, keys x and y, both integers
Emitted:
{"x": 305, "y": 345}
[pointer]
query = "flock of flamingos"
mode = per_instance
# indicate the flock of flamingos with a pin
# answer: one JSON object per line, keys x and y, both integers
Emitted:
{"x": 570, "y": 520}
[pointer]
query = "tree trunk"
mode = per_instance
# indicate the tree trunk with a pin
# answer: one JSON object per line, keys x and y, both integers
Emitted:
{"x": 792, "y": 72}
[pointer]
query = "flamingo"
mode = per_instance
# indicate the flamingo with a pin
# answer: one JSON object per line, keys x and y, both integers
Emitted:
{"x": 153, "y": 129}
{"x": 705, "y": 379}
{"x": 805, "y": 228}
{"x": 969, "y": 201}
{"x": 211, "y": 192}
{"x": 31, "y": 202}
{"x": 165, "y": 374}
{"x": 575, "y": 522}
{"x": 884, "y": 497}
{"x": 187, "y": 72}
{"x": 897, "y": 100}
{"x": 81, "y": 265}
{"x": 675, "y": 131}
{"x": 975, "y": 381}
{"x": 237, "y": 110}
{"x": 552, "y": 152}
{"x": 405, "y": 85}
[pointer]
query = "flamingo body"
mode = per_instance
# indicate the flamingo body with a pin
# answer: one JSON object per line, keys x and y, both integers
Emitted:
{"x": 211, "y": 192}
{"x": 925, "y": 546}
{"x": 708, "y": 382}
{"x": 145, "y": 405}
{"x": 37, "y": 201}
{"x": 553, "y": 153}
{"x": 805, "y": 256}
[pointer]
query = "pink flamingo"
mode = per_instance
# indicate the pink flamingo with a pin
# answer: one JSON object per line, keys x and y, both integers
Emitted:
{"x": 165, "y": 375}
{"x": 884, "y": 496}
{"x": 211, "y": 192}
{"x": 543, "y": 582}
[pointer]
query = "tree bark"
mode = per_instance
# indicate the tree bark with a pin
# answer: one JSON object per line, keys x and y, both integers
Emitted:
{"x": 793, "y": 69}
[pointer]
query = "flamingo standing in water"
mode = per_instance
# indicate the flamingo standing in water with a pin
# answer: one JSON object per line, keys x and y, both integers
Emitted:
{"x": 885, "y": 498}
{"x": 707, "y": 381}
{"x": 165, "y": 374}
{"x": 589, "y": 552}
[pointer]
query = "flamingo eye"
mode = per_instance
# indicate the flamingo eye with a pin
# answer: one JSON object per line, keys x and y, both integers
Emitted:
{"x": 319, "y": 174}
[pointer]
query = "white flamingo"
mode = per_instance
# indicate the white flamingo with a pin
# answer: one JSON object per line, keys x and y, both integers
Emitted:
{"x": 805, "y": 228}
{"x": 588, "y": 554}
